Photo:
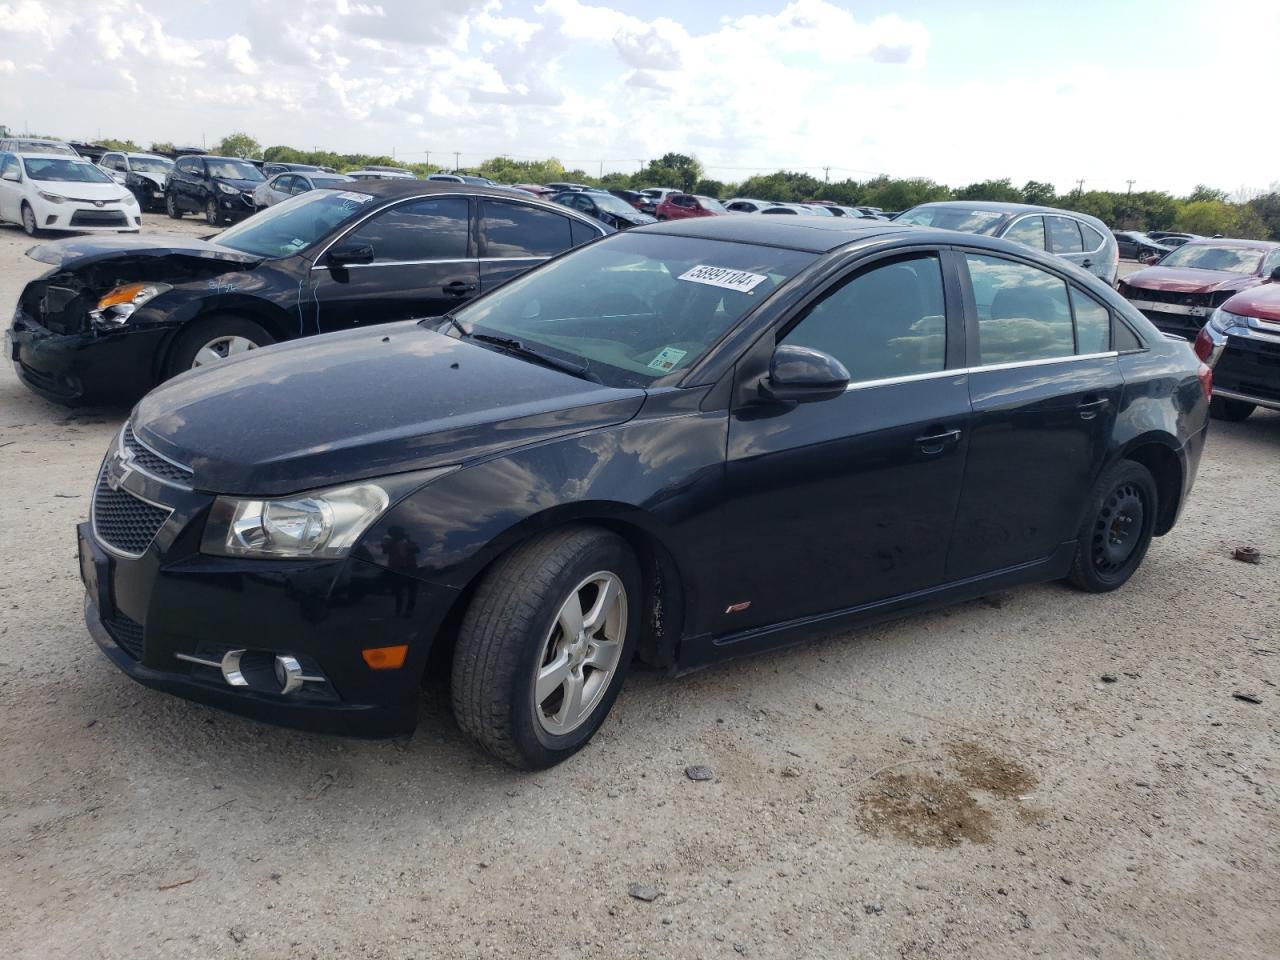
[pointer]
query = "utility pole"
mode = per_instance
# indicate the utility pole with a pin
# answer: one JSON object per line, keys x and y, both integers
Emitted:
{"x": 601, "y": 174}
{"x": 456, "y": 162}
{"x": 1080, "y": 186}
{"x": 826, "y": 174}
{"x": 427, "y": 162}
{"x": 1128, "y": 204}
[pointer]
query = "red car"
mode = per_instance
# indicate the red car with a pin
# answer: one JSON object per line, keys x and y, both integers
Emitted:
{"x": 1180, "y": 292}
{"x": 1241, "y": 342}
{"x": 681, "y": 206}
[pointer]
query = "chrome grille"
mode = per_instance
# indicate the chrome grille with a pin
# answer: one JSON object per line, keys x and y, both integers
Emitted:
{"x": 122, "y": 522}
{"x": 148, "y": 461}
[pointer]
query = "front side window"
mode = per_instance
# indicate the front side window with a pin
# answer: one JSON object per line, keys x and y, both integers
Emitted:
{"x": 634, "y": 307}
{"x": 516, "y": 230}
{"x": 281, "y": 183}
{"x": 889, "y": 321}
{"x": 189, "y": 167}
{"x": 1023, "y": 311}
{"x": 9, "y": 167}
{"x": 1028, "y": 230}
{"x": 434, "y": 229}
{"x": 1065, "y": 234}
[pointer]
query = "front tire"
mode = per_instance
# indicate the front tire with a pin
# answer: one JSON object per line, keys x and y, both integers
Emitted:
{"x": 1222, "y": 408}
{"x": 211, "y": 214}
{"x": 216, "y": 338}
{"x": 1117, "y": 528}
{"x": 545, "y": 644}
{"x": 171, "y": 206}
{"x": 29, "y": 221}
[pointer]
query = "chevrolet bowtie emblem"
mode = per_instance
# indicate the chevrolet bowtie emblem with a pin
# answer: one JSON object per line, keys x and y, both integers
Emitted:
{"x": 118, "y": 470}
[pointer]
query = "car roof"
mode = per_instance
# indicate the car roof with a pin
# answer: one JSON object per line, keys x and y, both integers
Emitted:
{"x": 1002, "y": 206}
{"x": 141, "y": 156}
{"x": 808, "y": 233}
{"x": 54, "y": 156}
{"x": 1233, "y": 242}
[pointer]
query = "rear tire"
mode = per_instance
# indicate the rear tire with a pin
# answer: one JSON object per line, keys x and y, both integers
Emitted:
{"x": 1222, "y": 408}
{"x": 214, "y": 338}
{"x": 530, "y": 689}
{"x": 1119, "y": 522}
{"x": 171, "y": 206}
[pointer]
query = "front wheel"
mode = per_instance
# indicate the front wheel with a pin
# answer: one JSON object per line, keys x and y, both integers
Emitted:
{"x": 1222, "y": 408}
{"x": 211, "y": 214}
{"x": 216, "y": 338}
{"x": 545, "y": 645}
{"x": 1117, "y": 528}
{"x": 171, "y": 206}
{"x": 29, "y": 220}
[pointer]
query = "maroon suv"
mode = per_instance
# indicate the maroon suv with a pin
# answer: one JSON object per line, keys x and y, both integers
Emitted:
{"x": 1179, "y": 293}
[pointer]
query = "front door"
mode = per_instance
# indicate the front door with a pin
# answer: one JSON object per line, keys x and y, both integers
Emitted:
{"x": 844, "y": 502}
{"x": 1045, "y": 386}
{"x": 423, "y": 265}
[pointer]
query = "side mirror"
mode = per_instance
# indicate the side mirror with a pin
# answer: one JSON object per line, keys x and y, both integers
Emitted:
{"x": 803, "y": 375}
{"x": 347, "y": 254}
{"x": 1275, "y": 275}
{"x": 13, "y": 175}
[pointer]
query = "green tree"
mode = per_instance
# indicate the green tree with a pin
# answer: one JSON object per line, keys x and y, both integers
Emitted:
{"x": 1267, "y": 209}
{"x": 994, "y": 190}
{"x": 890, "y": 194}
{"x": 1202, "y": 193}
{"x": 1039, "y": 192}
{"x": 163, "y": 147}
{"x": 506, "y": 170}
{"x": 788, "y": 186}
{"x": 671, "y": 170}
{"x": 711, "y": 188}
{"x": 1208, "y": 217}
{"x": 239, "y": 145}
{"x": 126, "y": 145}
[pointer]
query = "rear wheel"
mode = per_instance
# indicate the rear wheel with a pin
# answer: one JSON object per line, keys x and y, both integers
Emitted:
{"x": 1221, "y": 408}
{"x": 1117, "y": 528}
{"x": 545, "y": 644}
{"x": 171, "y": 206}
{"x": 29, "y": 220}
{"x": 216, "y": 338}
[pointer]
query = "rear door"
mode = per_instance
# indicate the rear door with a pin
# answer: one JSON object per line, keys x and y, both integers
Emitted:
{"x": 424, "y": 264}
{"x": 845, "y": 502}
{"x": 1045, "y": 386}
{"x": 516, "y": 236}
{"x": 1078, "y": 243}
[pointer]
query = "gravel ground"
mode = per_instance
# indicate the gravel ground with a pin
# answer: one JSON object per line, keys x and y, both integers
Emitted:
{"x": 1037, "y": 773}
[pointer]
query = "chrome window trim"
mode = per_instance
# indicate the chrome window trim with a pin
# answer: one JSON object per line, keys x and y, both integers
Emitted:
{"x": 414, "y": 263}
{"x": 1066, "y": 216}
{"x": 965, "y": 371}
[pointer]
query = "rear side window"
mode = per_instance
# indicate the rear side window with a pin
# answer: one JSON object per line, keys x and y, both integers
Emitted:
{"x": 1023, "y": 312}
{"x": 889, "y": 321}
{"x": 1065, "y": 234}
{"x": 433, "y": 229}
{"x": 1093, "y": 324}
{"x": 1028, "y": 230}
{"x": 515, "y": 230}
{"x": 580, "y": 233}
{"x": 1091, "y": 237}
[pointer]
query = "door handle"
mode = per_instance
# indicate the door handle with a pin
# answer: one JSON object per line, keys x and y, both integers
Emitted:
{"x": 1086, "y": 263}
{"x": 937, "y": 442}
{"x": 1090, "y": 408}
{"x": 458, "y": 287}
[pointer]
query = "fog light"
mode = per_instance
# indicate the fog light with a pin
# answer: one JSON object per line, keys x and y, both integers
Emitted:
{"x": 385, "y": 658}
{"x": 288, "y": 673}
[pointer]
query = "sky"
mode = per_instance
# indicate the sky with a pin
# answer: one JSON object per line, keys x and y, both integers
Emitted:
{"x": 1168, "y": 94}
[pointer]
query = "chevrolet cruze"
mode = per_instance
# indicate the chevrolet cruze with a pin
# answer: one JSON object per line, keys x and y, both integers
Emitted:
{"x": 681, "y": 443}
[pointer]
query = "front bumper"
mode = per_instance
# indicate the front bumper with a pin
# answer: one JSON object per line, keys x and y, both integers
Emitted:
{"x": 85, "y": 366}
{"x": 1248, "y": 368}
{"x": 71, "y": 216}
{"x": 166, "y": 617}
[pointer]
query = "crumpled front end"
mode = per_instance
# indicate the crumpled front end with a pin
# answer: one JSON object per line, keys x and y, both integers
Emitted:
{"x": 1173, "y": 311}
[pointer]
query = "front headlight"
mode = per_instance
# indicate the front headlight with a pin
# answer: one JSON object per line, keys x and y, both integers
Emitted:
{"x": 1224, "y": 321}
{"x": 120, "y": 304}
{"x": 52, "y": 197}
{"x": 129, "y": 200}
{"x": 224, "y": 188}
{"x": 321, "y": 525}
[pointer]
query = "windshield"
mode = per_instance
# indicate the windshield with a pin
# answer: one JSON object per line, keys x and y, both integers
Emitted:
{"x": 634, "y": 308}
{"x": 953, "y": 218}
{"x": 1209, "y": 256}
{"x": 64, "y": 171}
{"x": 710, "y": 203}
{"x": 44, "y": 146}
{"x": 293, "y": 225}
{"x": 610, "y": 203}
{"x": 233, "y": 169}
{"x": 329, "y": 181}
{"x": 150, "y": 165}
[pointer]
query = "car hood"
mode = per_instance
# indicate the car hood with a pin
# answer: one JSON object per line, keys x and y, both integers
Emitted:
{"x": 81, "y": 191}
{"x": 246, "y": 185}
{"x": 1260, "y": 301}
{"x": 637, "y": 219}
{"x": 76, "y": 252}
{"x": 157, "y": 178}
{"x": 363, "y": 403}
{"x": 1184, "y": 280}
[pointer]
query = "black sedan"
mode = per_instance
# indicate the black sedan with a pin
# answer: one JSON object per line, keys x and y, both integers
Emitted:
{"x": 604, "y": 207}
{"x": 684, "y": 443}
{"x": 115, "y": 316}
{"x": 1135, "y": 245}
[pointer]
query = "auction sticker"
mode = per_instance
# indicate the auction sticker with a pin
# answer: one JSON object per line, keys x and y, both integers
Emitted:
{"x": 726, "y": 277}
{"x": 355, "y": 197}
{"x": 667, "y": 358}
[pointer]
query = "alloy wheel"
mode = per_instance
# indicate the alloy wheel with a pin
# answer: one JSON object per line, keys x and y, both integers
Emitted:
{"x": 220, "y": 348}
{"x": 211, "y": 213}
{"x": 28, "y": 220}
{"x": 581, "y": 653}
{"x": 1118, "y": 529}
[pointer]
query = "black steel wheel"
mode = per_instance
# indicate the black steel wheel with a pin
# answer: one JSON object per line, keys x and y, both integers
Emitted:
{"x": 1222, "y": 408}
{"x": 1117, "y": 528}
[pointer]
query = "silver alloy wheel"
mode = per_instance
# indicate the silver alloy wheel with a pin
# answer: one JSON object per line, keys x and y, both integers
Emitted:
{"x": 581, "y": 653}
{"x": 220, "y": 348}
{"x": 28, "y": 220}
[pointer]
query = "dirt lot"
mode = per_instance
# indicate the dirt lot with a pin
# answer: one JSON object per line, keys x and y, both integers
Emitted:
{"x": 1038, "y": 773}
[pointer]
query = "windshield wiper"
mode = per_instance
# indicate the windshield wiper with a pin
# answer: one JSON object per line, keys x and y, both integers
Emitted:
{"x": 454, "y": 320}
{"x": 519, "y": 349}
